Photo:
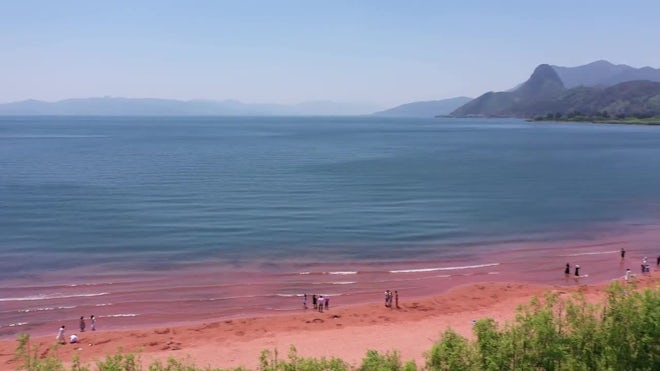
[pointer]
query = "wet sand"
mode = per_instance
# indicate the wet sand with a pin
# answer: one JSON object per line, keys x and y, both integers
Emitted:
{"x": 193, "y": 293}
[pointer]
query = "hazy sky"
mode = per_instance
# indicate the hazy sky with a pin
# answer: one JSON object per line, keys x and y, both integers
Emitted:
{"x": 381, "y": 52}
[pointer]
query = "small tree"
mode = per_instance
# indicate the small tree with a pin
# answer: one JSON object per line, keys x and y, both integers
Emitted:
{"x": 29, "y": 356}
{"x": 451, "y": 352}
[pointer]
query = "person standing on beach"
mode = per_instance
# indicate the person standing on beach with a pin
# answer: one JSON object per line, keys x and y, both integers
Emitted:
{"x": 623, "y": 253}
{"x": 314, "y": 301}
{"x": 645, "y": 264}
{"x": 320, "y": 302}
{"x": 92, "y": 320}
{"x": 305, "y": 301}
{"x": 396, "y": 298}
{"x": 567, "y": 270}
{"x": 627, "y": 276}
{"x": 577, "y": 271}
{"x": 327, "y": 303}
{"x": 387, "y": 297}
{"x": 60, "y": 336}
{"x": 82, "y": 324}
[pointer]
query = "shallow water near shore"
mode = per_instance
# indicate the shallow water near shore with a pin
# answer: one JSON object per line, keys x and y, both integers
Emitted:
{"x": 160, "y": 220}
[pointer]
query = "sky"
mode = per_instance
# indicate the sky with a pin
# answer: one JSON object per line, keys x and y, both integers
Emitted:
{"x": 380, "y": 53}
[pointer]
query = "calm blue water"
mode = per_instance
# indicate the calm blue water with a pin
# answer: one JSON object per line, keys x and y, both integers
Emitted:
{"x": 154, "y": 192}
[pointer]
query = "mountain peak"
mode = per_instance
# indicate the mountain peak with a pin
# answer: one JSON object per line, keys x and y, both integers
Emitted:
{"x": 600, "y": 62}
{"x": 544, "y": 83}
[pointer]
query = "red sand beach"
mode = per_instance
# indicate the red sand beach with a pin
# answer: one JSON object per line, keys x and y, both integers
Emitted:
{"x": 345, "y": 331}
{"x": 224, "y": 316}
{"x": 205, "y": 292}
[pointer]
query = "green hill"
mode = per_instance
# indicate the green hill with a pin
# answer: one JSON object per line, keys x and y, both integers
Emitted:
{"x": 544, "y": 95}
{"x": 543, "y": 85}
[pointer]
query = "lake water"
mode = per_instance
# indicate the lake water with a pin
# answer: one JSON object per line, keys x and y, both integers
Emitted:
{"x": 233, "y": 216}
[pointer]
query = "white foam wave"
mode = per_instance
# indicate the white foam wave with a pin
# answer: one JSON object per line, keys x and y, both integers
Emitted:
{"x": 232, "y": 297}
{"x": 120, "y": 315}
{"x": 343, "y": 283}
{"x": 42, "y": 309}
{"x": 17, "y": 324}
{"x": 593, "y": 253}
{"x": 422, "y": 270}
{"x": 304, "y": 273}
{"x": 343, "y": 272}
{"x": 52, "y": 296}
{"x": 50, "y": 136}
{"x": 493, "y": 272}
{"x": 103, "y": 305}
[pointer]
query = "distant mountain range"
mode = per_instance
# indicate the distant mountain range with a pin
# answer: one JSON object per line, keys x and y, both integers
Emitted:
{"x": 110, "y": 106}
{"x": 595, "y": 89}
{"x": 425, "y": 109}
{"x": 603, "y": 74}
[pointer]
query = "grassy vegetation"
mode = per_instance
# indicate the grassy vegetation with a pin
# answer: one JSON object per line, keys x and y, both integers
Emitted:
{"x": 601, "y": 117}
{"x": 550, "y": 333}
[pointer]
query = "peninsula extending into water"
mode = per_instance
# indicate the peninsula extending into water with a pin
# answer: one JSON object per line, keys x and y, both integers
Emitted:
{"x": 599, "y": 92}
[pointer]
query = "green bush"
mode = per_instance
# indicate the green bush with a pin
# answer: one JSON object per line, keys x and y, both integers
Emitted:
{"x": 29, "y": 356}
{"x": 120, "y": 362}
{"x": 374, "y": 361}
{"x": 451, "y": 352}
{"x": 269, "y": 362}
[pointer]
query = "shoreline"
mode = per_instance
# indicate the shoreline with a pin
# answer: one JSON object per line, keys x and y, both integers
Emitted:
{"x": 345, "y": 331}
{"x": 207, "y": 292}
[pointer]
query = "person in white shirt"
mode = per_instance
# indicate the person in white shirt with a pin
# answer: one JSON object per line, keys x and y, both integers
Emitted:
{"x": 73, "y": 339}
{"x": 60, "y": 335}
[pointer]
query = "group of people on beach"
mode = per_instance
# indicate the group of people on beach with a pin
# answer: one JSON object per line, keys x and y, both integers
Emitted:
{"x": 389, "y": 296}
{"x": 646, "y": 268}
{"x": 74, "y": 337}
{"x": 319, "y": 302}
{"x": 567, "y": 270}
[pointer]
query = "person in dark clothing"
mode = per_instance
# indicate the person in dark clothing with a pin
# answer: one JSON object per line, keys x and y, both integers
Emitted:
{"x": 577, "y": 271}
{"x": 623, "y": 253}
{"x": 567, "y": 270}
{"x": 314, "y": 300}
